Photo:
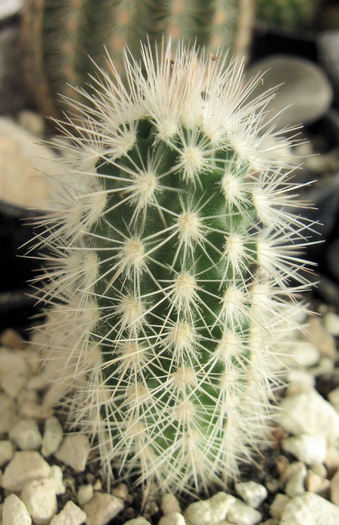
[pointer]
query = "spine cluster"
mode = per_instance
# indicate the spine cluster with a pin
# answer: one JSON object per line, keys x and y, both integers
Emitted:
{"x": 173, "y": 268}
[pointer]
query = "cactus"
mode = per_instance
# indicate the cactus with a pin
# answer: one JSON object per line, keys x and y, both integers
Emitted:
{"x": 60, "y": 38}
{"x": 287, "y": 14}
{"x": 173, "y": 269}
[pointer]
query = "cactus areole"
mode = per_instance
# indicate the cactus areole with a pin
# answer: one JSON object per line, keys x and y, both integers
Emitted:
{"x": 171, "y": 257}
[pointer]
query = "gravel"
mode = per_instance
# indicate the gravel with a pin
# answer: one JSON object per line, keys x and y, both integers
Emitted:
{"x": 51, "y": 477}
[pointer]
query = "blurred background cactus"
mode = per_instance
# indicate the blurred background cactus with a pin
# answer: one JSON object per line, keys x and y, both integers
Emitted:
{"x": 60, "y": 39}
{"x": 287, "y": 14}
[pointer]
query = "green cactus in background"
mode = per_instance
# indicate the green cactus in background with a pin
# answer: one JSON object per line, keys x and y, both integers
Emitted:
{"x": 287, "y": 14}
{"x": 61, "y": 37}
{"x": 173, "y": 269}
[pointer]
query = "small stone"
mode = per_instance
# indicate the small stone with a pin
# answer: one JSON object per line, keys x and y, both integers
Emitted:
{"x": 306, "y": 413}
{"x": 335, "y": 488}
{"x": 137, "y": 521}
{"x": 333, "y": 398}
{"x": 52, "y": 437}
{"x": 97, "y": 485}
{"x": 242, "y": 514}
{"x": 31, "y": 122}
{"x": 26, "y": 435}
{"x": 321, "y": 339}
{"x": 56, "y": 475}
{"x": 317, "y": 484}
{"x": 209, "y": 512}
{"x": 71, "y": 514}
{"x": 310, "y": 509}
{"x": 295, "y": 484}
{"x": 172, "y": 518}
{"x": 6, "y": 452}
{"x": 332, "y": 458}
{"x": 25, "y": 466}
{"x": 169, "y": 503}
{"x": 102, "y": 508}
{"x": 74, "y": 452}
{"x": 14, "y": 372}
{"x": 252, "y": 493}
{"x": 299, "y": 381}
{"x": 121, "y": 491}
{"x": 9, "y": 338}
{"x": 40, "y": 499}
{"x": 304, "y": 354}
{"x": 306, "y": 447}
{"x": 85, "y": 494}
{"x": 331, "y": 322}
{"x": 278, "y": 504}
{"x": 14, "y": 512}
{"x": 8, "y": 411}
{"x": 220, "y": 503}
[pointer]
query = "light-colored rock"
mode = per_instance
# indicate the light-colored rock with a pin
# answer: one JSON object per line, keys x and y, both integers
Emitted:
{"x": 6, "y": 452}
{"x": 172, "y": 518}
{"x": 317, "y": 484}
{"x": 242, "y": 514}
{"x": 52, "y": 437}
{"x": 9, "y": 413}
{"x": 252, "y": 493}
{"x": 32, "y": 122}
{"x": 332, "y": 458}
{"x": 26, "y": 435}
{"x": 209, "y": 512}
{"x": 310, "y": 509}
{"x": 335, "y": 488}
{"x": 71, "y": 514}
{"x": 25, "y": 466}
{"x": 333, "y": 398}
{"x": 295, "y": 484}
{"x": 102, "y": 508}
{"x": 331, "y": 322}
{"x": 85, "y": 494}
{"x": 22, "y": 163}
{"x": 169, "y": 503}
{"x": 98, "y": 485}
{"x": 299, "y": 380}
{"x": 9, "y": 338}
{"x": 309, "y": 448}
{"x": 14, "y": 372}
{"x": 14, "y": 512}
{"x": 325, "y": 366}
{"x": 57, "y": 476}
{"x": 321, "y": 338}
{"x": 39, "y": 497}
{"x": 319, "y": 469}
{"x": 74, "y": 452}
{"x": 278, "y": 504}
{"x": 306, "y": 413}
{"x": 304, "y": 354}
{"x": 121, "y": 491}
{"x": 137, "y": 521}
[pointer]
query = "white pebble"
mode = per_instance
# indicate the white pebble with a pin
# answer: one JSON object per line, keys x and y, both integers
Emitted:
{"x": 25, "y": 466}
{"x": 209, "y": 512}
{"x": 304, "y": 354}
{"x": 169, "y": 503}
{"x": 71, "y": 514}
{"x": 14, "y": 512}
{"x": 335, "y": 488}
{"x": 6, "y": 452}
{"x": 172, "y": 518}
{"x": 52, "y": 437}
{"x": 56, "y": 475}
{"x": 251, "y": 492}
{"x": 299, "y": 381}
{"x": 333, "y": 398}
{"x": 85, "y": 494}
{"x": 316, "y": 483}
{"x": 332, "y": 458}
{"x": 40, "y": 499}
{"x": 137, "y": 521}
{"x": 295, "y": 484}
{"x": 74, "y": 452}
{"x": 306, "y": 413}
{"x": 14, "y": 371}
{"x": 26, "y": 435}
{"x": 306, "y": 447}
{"x": 121, "y": 491}
{"x": 9, "y": 413}
{"x": 242, "y": 514}
{"x": 310, "y": 509}
{"x": 278, "y": 504}
{"x": 331, "y": 321}
{"x": 102, "y": 508}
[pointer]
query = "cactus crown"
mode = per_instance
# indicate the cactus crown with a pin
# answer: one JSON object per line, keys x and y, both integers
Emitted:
{"x": 171, "y": 257}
